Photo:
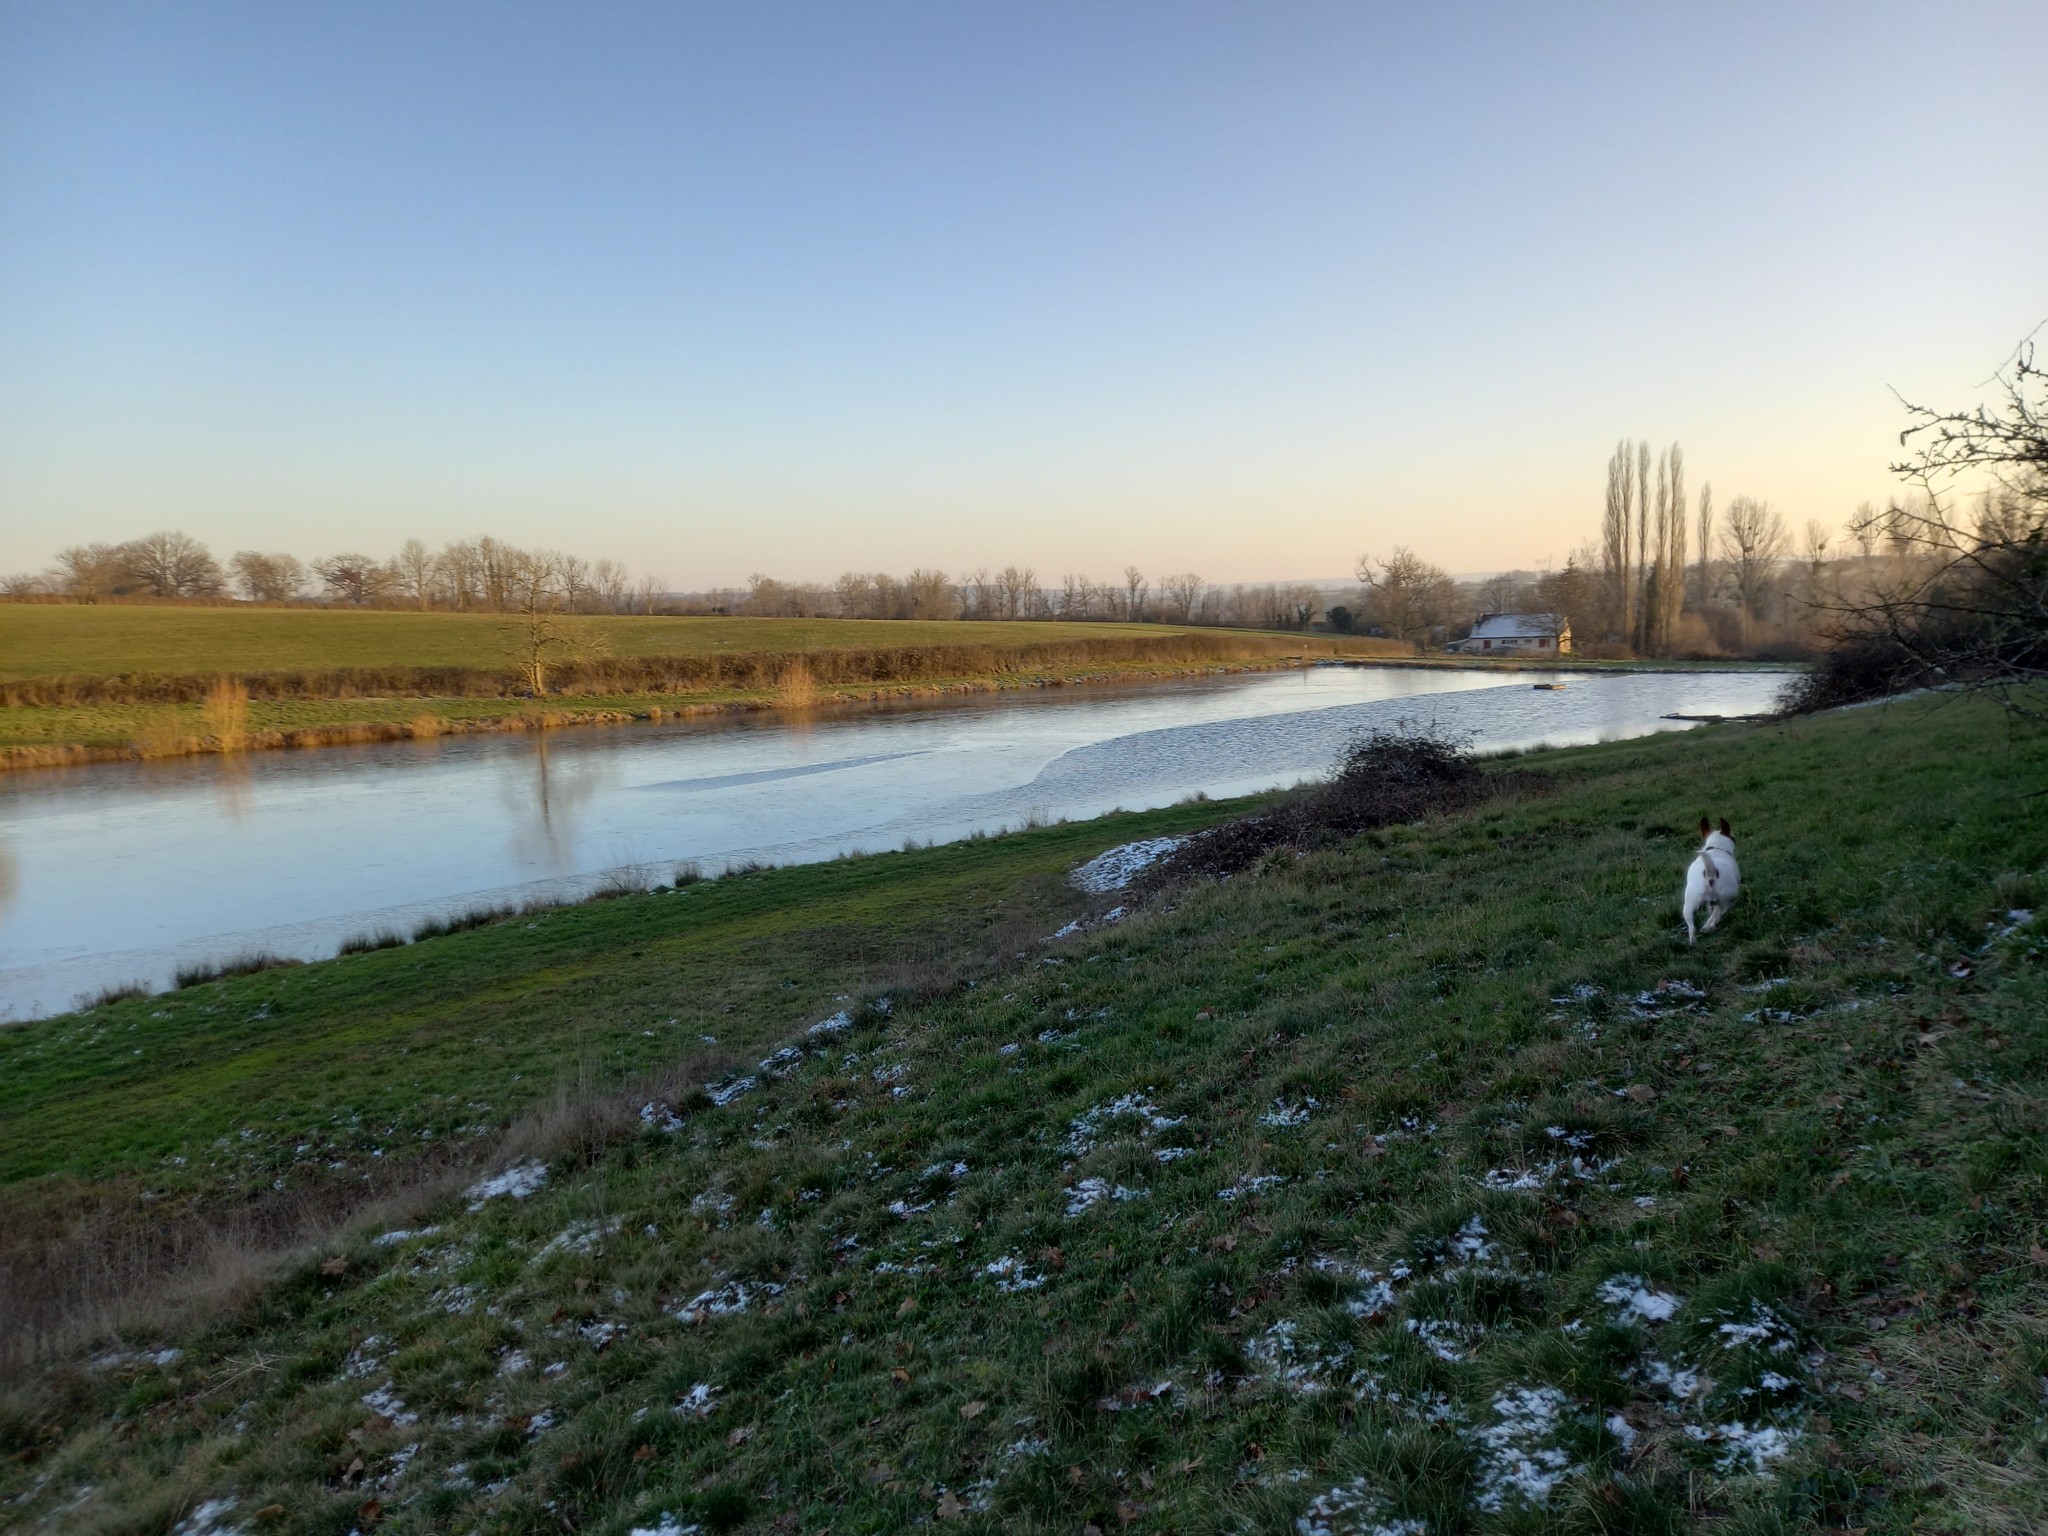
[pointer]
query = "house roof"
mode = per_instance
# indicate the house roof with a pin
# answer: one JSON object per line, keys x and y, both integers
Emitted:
{"x": 1505, "y": 626}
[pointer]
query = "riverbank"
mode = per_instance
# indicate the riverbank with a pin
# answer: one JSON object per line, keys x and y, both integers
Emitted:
{"x": 62, "y": 736}
{"x": 945, "y": 1222}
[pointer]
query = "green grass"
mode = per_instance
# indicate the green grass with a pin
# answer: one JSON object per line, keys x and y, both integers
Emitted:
{"x": 1812, "y": 1147}
{"x": 47, "y": 640}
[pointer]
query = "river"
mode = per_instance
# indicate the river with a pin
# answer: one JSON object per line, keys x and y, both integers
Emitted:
{"x": 123, "y": 872}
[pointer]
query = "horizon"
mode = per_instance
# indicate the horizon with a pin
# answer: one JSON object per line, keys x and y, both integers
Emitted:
{"x": 1237, "y": 291}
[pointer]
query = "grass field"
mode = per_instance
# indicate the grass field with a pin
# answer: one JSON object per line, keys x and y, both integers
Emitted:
{"x": 1425, "y": 1184}
{"x": 54, "y": 640}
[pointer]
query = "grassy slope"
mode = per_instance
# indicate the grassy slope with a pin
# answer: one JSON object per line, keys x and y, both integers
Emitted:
{"x": 43, "y": 640}
{"x": 1837, "y": 1180}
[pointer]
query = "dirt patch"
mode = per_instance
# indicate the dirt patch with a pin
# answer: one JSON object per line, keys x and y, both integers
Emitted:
{"x": 1384, "y": 778}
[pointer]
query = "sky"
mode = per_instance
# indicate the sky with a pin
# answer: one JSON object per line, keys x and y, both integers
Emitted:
{"x": 1239, "y": 289}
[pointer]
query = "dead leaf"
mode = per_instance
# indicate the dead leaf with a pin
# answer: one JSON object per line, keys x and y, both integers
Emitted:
{"x": 1640, "y": 1093}
{"x": 973, "y": 1410}
{"x": 1840, "y": 1179}
{"x": 881, "y": 1472}
{"x": 2037, "y": 1253}
{"x": 1127, "y": 1513}
{"x": 1183, "y": 1468}
{"x": 741, "y": 1435}
{"x": 909, "y": 1306}
{"x": 645, "y": 1453}
{"x": 338, "y": 1265}
{"x": 950, "y": 1508}
{"x": 1054, "y": 1259}
{"x": 353, "y": 1471}
{"x": 369, "y": 1512}
{"x": 900, "y": 1376}
{"x": 268, "y": 1512}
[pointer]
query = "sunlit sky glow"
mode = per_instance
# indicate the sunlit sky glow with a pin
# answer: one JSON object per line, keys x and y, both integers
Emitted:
{"x": 1239, "y": 289}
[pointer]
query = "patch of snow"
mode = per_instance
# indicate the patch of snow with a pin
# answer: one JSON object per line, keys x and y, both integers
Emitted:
{"x": 1682, "y": 1383}
{"x": 1631, "y": 1296}
{"x": 1250, "y": 1184}
{"x": 783, "y": 1062}
{"x": 1519, "y": 1461}
{"x": 1117, "y": 868}
{"x": 1011, "y": 1274}
{"x": 659, "y": 1117}
{"x": 1355, "y": 1508}
{"x": 515, "y": 1183}
{"x": 1284, "y": 1357}
{"x": 727, "y": 1300}
{"x": 1284, "y": 1116}
{"x": 1084, "y": 1130}
{"x": 724, "y": 1093}
{"x": 666, "y": 1526}
{"x": 712, "y": 1205}
{"x": 1442, "y": 1337}
{"x": 583, "y": 1237}
{"x": 905, "y": 1210}
{"x": 1760, "y": 1328}
{"x": 392, "y": 1239}
{"x": 210, "y": 1519}
{"x": 1745, "y": 1448}
{"x": 1169, "y": 1154}
{"x": 838, "y": 1024}
{"x": 515, "y": 1361}
{"x": 388, "y": 1404}
{"x": 698, "y": 1402}
{"x": 600, "y": 1335}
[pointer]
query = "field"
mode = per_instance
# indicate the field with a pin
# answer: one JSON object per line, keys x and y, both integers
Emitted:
{"x": 1426, "y": 1183}
{"x": 88, "y": 683}
{"x": 97, "y": 640}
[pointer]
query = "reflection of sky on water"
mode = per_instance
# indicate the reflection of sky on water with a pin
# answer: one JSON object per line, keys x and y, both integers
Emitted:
{"x": 124, "y": 871}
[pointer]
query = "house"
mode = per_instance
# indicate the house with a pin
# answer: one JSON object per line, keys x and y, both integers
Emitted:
{"x": 1517, "y": 634}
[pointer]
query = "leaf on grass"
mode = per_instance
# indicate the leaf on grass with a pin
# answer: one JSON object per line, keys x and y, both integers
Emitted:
{"x": 338, "y": 1265}
{"x": 2037, "y": 1253}
{"x": 973, "y": 1410}
{"x": 950, "y": 1508}
{"x": 369, "y": 1512}
{"x": 741, "y": 1435}
{"x": 900, "y": 1376}
{"x": 909, "y": 1306}
{"x": 1640, "y": 1093}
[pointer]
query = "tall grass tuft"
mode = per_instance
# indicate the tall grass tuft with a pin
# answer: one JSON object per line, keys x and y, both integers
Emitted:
{"x": 364, "y": 943}
{"x": 113, "y": 992}
{"x": 797, "y": 688}
{"x": 248, "y": 964}
{"x": 227, "y": 713}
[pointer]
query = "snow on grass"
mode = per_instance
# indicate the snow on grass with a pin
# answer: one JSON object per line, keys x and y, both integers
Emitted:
{"x": 783, "y": 1062}
{"x": 581, "y": 1237}
{"x": 1117, "y": 868}
{"x": 1745, "y": 1448}
{"x": 1631, "y": 1297}
{"x": 392, "y": 1239}
{"x": 1288, "y": 1360}
{"x": 1759, "y": 1328}
{"x": 1285, "y": 1116}
{"x": 724, "y": 1093}
{"x": 1090, "y": 1192}
{"x": 210, "y": 1519}
{"x": 518, "y": 1182}
{"x": 1519, "y": 1461}
{"x": 698, "y": 1402}
{"x": 386, "y": 1403}
{"x": 825, "y": 1029}
{"x": 1087, "y": 1127}
{"x": 1249, "y": 1184}
{"x": 1356, "y": 1508}
{"x": 1011, "y": 1274}
{"x": 727, "y": 1300}
{"x": 667, "y": 1525}
{"x": 1681, "y": 1382}
{"x": 1442, "y": 1337}
{"x": 659, "y": 1117}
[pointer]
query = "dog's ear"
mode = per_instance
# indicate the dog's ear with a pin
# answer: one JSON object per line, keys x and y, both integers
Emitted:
{"x": 1705, "y": 826}
{"x": 1726, "y": 830}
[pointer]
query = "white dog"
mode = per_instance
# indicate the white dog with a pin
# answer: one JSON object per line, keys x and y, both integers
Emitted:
{"x": 1713, "y": 881}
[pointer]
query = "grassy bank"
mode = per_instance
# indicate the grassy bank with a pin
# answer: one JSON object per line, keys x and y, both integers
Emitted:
{"x": 85, "y": 684}
{"x": 1425, "y": 1183}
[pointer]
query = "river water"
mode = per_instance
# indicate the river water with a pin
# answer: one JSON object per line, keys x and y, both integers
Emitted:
{"x": 123, "y": 872}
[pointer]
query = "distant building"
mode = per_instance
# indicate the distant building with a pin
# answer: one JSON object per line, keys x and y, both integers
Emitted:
{"x": 1516, "y": 634}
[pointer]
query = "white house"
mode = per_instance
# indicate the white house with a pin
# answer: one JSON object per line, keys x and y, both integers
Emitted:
{"x": 1516, "y": 634}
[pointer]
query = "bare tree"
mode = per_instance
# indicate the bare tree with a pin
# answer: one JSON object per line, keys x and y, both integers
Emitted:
{"x": 930, "y": 595}
{"x": 1642, "y": 566}
{"x": 1134, "y": 594}
{"x": 1706, "y": 532}
{"x": 1864, "y": 526}
{"x": 1754, "y": 536}
{"x": 415, "y": 571}
{"x": 89, "y": 571}
{"x": 1406, "y": 595}
{"x": 171, "y": 564}
{"x": 268, "y": 578}
{"x": 1964, "y": 601}
{"x": 648, "y": 592}
{"x": 1614, "y": 561}
{"x": 610, "y": 584}
{"x": 1181, "y": 593}
{"x": 1015, "y": 587}
{"x": 357, "y": 580}
{"x": 23, "y": 584}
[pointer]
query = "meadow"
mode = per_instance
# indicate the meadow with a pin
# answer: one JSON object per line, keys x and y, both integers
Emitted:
{"x": 1428, "y": 1182}
{"x": 81, "y": 683}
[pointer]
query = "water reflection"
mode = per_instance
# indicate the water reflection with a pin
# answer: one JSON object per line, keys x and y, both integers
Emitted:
{"x": 128, "y": 870}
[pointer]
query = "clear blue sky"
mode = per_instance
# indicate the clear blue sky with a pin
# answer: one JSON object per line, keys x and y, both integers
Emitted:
{"x": 1243, "y": 289}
